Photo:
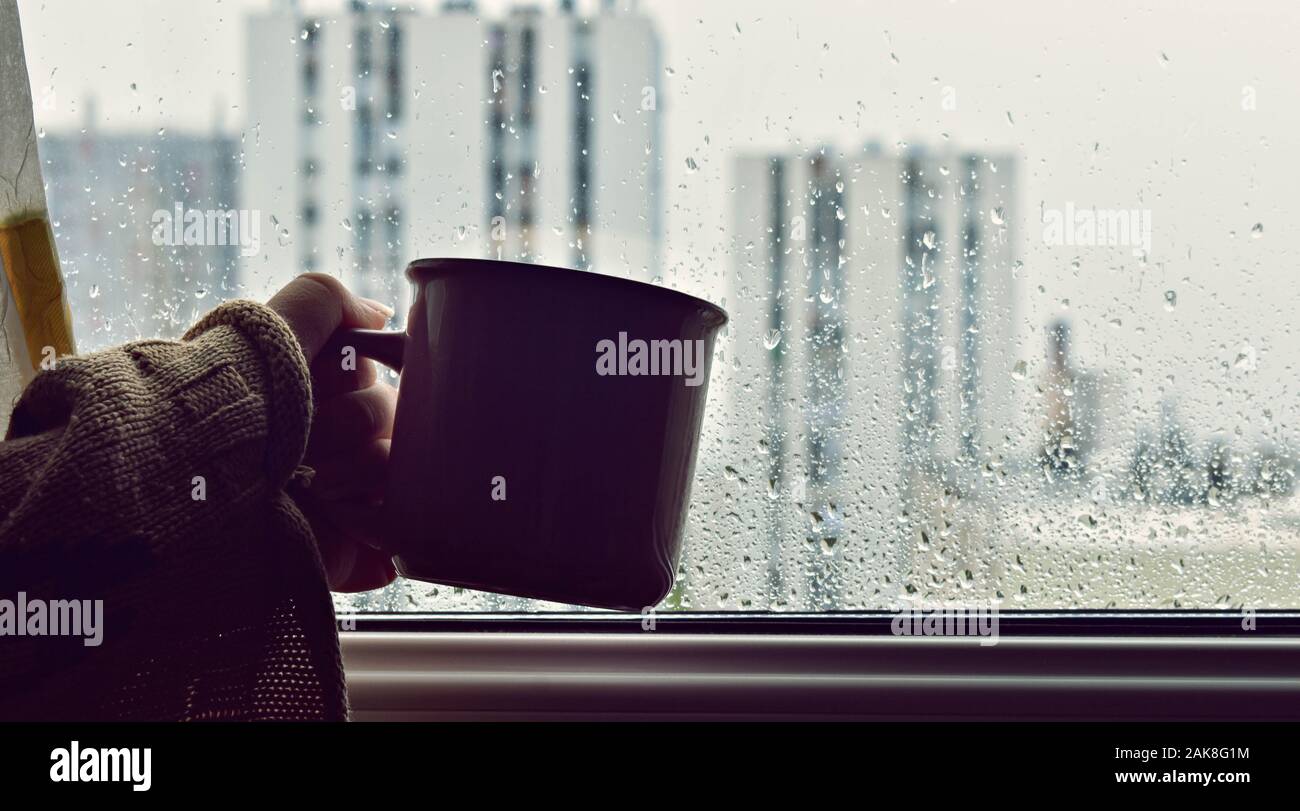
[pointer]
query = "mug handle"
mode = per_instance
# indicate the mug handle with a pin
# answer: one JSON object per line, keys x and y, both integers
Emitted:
{"x": 385, "y": 347}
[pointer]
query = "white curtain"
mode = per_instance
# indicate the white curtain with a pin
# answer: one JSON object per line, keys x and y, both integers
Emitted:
{"x": 35, "y": 326}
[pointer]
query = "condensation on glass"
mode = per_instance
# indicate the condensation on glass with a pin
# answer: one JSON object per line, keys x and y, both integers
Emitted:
{"x": 1010, "y": 325}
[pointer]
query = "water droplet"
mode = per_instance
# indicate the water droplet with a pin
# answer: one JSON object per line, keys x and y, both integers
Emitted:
{"x": 1245, "y": 359}
{"x": 1258, "y": 230}
{"x": 691, "y": 165}
{"x": 1020, "y": 371}
{"x": 928, "y": 240}
{"x": 772, "y": 338}
{"x": 997, "y": 216}
{"x": 94, "y": 291}
{"x": 1171, "y": 300}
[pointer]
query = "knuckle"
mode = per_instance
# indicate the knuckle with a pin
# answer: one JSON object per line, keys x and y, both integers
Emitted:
{"x": 366, "y": 373}
{"x": 372, "y": 410}
{"x": 323, "y": 284}
{"x": 366, "y": 413}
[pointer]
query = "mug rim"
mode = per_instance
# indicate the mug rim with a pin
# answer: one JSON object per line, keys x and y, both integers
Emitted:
{"x": 424, "y": 268}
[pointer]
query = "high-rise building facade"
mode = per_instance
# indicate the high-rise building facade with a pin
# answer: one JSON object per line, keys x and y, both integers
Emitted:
{"x": 874, "y": 331}
{"x": 126, "y": 277}
{"x": 380, "y": 135}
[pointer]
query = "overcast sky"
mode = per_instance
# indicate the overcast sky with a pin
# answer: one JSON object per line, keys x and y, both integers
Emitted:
{"x": 1109, "y": 104}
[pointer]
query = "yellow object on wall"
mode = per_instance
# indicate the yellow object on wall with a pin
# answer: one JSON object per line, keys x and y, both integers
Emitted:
{"x": 31, "y": 267}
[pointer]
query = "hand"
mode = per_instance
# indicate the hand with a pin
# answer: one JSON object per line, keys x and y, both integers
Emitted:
{"x": 350, "y": 432}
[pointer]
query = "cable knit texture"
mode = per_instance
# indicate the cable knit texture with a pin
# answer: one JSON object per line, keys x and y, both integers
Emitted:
{"x": 152, "y": 477}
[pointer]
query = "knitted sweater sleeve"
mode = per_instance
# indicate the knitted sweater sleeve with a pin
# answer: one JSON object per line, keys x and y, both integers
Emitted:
{"x": 151, "y": 479}
{"x": 134, "y": 449}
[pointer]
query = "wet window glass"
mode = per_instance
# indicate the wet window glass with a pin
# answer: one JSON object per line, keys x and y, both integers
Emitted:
{"x": 1011, "y": 292}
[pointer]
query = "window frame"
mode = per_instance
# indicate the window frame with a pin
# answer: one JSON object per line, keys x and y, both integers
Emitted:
{"x": 1152, "y": 665}
{"x": 1062, "y": 623}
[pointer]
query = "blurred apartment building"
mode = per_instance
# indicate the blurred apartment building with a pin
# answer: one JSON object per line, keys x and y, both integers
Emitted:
{"x": 1086, "y": 417}
{"x": 376, "y": 135}
{"x": 104, "y": 190}
{"x": 875, "y": 332}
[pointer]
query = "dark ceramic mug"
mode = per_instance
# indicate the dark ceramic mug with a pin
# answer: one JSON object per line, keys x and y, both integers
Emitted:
{"x": 546, "y": 431}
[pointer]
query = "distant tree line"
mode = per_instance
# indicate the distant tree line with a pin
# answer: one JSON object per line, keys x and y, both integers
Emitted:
{"x": 1167, "y": 469}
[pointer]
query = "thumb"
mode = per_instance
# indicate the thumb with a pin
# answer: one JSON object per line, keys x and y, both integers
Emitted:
{"x": 315, "y": 305}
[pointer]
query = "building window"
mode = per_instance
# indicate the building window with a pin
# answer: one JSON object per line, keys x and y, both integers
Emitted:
{"x": 393, "y": 70}
{"x": 582, "y": 144}
{"x": 361, "y": 42}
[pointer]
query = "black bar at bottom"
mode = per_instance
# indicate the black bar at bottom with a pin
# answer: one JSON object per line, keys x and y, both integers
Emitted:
{"x": 613, "y": 762}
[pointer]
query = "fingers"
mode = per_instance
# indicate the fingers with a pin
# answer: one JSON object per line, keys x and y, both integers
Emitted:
{"x": 352, "y": 420}
{"x": 344, "y": 506}
{"x": 358, "y": 475}
{"x": 350, "y": 432}
{"x": 346, "y": 537}
{"x": 331, "y": 375}
{"x": 315, "y": 305}
{"x": 361, "y": 524}
{"x": 371, "y": 569}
